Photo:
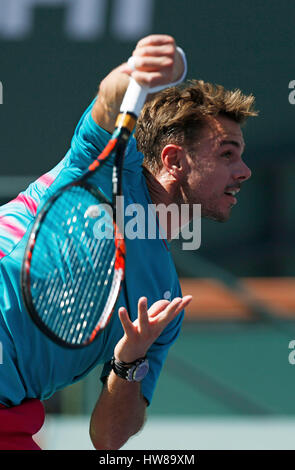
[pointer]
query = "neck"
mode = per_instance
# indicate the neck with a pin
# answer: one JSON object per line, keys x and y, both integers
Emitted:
{"x": 163, "y": 192}
{"x": 158, "y": 192}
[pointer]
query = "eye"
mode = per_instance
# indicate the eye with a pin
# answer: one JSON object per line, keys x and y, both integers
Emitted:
{"x": 227, "y": 154}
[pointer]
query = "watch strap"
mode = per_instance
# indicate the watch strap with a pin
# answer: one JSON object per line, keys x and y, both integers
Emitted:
{"x": 126, "y": 369}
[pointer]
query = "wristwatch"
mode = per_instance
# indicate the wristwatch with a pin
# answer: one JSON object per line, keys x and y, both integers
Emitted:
{"x": 131, "y": 371}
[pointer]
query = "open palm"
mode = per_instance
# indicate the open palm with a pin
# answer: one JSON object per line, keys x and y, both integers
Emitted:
{"x": 141, "y": 334}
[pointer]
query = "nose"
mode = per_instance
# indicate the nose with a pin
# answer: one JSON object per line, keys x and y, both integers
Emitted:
{"x": 242, "y": 172}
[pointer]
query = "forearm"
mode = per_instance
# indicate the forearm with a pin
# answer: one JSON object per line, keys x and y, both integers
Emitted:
{"x": 118, "y": 414}
{"x": 109, "y": 99}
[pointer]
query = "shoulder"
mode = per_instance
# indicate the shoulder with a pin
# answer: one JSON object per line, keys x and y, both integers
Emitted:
{"x": 17, "y": 214}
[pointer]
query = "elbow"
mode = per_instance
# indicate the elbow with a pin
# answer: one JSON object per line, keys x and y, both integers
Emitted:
{"x": 105, "y": 444}
{"x": 106, "y": 441}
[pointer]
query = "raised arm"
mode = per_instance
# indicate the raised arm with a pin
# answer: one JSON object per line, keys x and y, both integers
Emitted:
{"x": 157, "y": 62}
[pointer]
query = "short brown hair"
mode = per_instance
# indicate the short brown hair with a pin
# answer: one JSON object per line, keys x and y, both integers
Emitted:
{"x": 178, "y": 114}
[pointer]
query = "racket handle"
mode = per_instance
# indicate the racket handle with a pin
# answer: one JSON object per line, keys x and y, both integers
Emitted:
{"x": 134, "y": 98}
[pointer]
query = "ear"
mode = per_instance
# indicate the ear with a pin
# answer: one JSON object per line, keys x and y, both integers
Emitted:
{"x": 174, "y": 160}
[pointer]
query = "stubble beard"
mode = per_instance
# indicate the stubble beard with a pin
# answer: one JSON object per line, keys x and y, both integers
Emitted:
{"x": 210, "y": 209}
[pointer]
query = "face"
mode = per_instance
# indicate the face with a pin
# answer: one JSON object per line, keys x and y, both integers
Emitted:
{"x": 215, "y": 169}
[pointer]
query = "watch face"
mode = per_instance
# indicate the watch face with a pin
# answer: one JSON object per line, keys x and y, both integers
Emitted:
{"x": 140, "y": 371}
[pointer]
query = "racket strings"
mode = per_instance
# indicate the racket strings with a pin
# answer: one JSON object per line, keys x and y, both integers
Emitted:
{"x": 70, "y": 294}
{"x": 76, "y": 296}
{"x": 87, "y": 298}
{"x": 59, "y": 294}
{"x": 57, "y": 288}
{"x": 75, "y": 279}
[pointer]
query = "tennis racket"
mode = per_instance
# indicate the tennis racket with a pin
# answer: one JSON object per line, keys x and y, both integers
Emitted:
{"x": 70, "y": 277}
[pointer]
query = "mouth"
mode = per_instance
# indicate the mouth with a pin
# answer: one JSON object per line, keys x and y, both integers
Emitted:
{"x": 231, "y": 193}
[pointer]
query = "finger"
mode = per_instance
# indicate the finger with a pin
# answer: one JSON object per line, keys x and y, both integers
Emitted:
{"x": 158, "y": 307}
{"x": 143, "y": 320}
{"x": 169, "y": 311}
{"x": 180, "y": 305}
{"x": 152, "y": 64}
{"x": 124, "y": 68}
{"x": 186, "y": 300}
{"x": 155, "y": 39}
{"x": 125, "y": 321}
{"x": 175, "y": 307}
{"x": 152, "y": 79}
{"x": 167, "y": 50}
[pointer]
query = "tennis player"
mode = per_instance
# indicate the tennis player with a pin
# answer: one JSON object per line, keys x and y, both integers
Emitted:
{"x": 187, "y": 149}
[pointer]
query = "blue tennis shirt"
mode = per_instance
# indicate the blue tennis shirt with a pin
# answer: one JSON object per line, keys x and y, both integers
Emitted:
{"x": 32, "y": 365}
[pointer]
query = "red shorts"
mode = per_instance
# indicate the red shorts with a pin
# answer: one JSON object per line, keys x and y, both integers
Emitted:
{"x": 19, "y": 423}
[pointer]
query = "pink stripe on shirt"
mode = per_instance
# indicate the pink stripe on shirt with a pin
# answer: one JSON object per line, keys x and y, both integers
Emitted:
{"x": 2, "y": 254}
{"x": 12, "y": 229}
{"x": 46, "y": 179}
{"x": 28, "y": 201}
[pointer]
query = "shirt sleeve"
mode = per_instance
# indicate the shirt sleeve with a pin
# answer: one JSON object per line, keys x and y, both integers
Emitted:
{"x": 17, "y": 214}
{"x": 88, "y": 142}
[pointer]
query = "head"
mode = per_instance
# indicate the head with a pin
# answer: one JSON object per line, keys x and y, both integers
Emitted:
{"x": 192, "y": 141}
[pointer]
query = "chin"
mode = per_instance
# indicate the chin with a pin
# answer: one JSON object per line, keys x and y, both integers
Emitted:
{"x": 217, "y": 216}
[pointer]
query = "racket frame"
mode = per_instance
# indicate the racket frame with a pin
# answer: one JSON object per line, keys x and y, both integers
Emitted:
{"x": 117, "y": 145}
{"x": 25, "y": 271}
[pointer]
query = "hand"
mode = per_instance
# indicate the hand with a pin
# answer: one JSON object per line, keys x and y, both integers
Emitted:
{"x": 142, "y": 333}
{"x": 157, "y": 61}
